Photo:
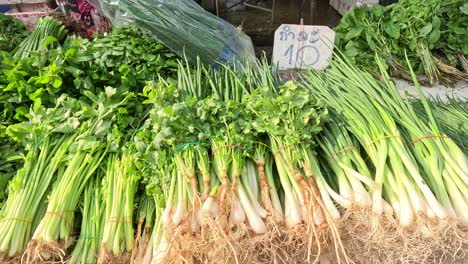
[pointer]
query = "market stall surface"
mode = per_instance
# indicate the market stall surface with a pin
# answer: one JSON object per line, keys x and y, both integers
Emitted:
{"x": 460, "y": 90}
{"x": 257, "y": 23}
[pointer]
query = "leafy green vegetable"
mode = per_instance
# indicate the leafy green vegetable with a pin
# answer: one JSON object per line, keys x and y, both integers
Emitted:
{"x": 433, "y": 32}
{"x": 12, "y": 32}
{"x": 74, "y": 77}
{"x": 125, "y": 60}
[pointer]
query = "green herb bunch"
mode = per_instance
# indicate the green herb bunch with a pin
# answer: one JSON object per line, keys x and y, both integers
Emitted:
{"x": 12, "y": 32}
{"x": 433, "y": 33}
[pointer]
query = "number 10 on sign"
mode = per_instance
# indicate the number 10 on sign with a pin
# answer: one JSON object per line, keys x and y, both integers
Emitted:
{"x": 301, "y": 47}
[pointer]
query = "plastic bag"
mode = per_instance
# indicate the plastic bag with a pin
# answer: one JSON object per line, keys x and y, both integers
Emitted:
{"x": 184, "y": 27}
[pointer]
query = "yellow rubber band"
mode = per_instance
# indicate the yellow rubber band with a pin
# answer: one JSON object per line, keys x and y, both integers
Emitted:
{"x": 16, "y": 219}
{"x": 60, "y": 214}
{"x": 334, "y": 154}
{"x": 286, "y": 147}
{"x": 380, "y": 138}
{"x": 118, "y": 220}
{"x": 426, "y": 137}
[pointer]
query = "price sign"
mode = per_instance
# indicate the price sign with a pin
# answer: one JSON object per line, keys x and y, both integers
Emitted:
{"x": 302, "y": 47}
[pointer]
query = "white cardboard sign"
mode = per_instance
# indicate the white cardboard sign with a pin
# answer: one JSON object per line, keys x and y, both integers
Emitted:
{"x": 302, "y": 47}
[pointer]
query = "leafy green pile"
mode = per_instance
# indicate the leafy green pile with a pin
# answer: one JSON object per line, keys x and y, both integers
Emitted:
{"x": 9, "y": 164}
{"x": 74, "y": 107}
{"x": 433, "y": 33}
{"x": 12, "y": 32}
{"x": 220, "y": 165}
{"x": 124, "y": 59}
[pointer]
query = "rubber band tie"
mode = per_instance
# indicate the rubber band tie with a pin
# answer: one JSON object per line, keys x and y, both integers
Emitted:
{"x": 184, "y": 145}
{"x": 16, "y": 219}
{"x": 380, "y": 138}
{"x": 287, "y": 146}
{"x": 60, "y": 215}
{"x": 389, "y": 59}
{"x": 426, "y": 137}
{"x": 123, "y": 221}
{"x": 226, "y": 146}
{"x": 334, "y": 154}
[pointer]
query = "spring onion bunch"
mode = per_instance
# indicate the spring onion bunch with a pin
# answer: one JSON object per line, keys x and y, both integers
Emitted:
{"x": 443, "y": 163}
{"x": 342, "y": 154}
{"x": 417, "y": 181}
{"x": 292, "y": 118}
{"x": 451, "y": 116}
{"x": 191, "y": 125}
{"x": 351, "y": 178}
{"x": 155, "y": 252}
{"x": 48, "y": 31}
{"x": 155, "y": 167}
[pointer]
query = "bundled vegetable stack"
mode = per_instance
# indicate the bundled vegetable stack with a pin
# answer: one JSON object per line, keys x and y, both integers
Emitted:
{"x": 235, "y": 143}
{"x": 371, "y": 180}
{"x": 65, "y": 148}
{"x": 87, "y": 246}
{"x": 433, "y": 33}
{"x": 46, "y": 67}
{"x": 127, "y": 162}
{"x": 58, "y": 105}
{"x": 419, "y": 171}
{"x": 452, "y": 116}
